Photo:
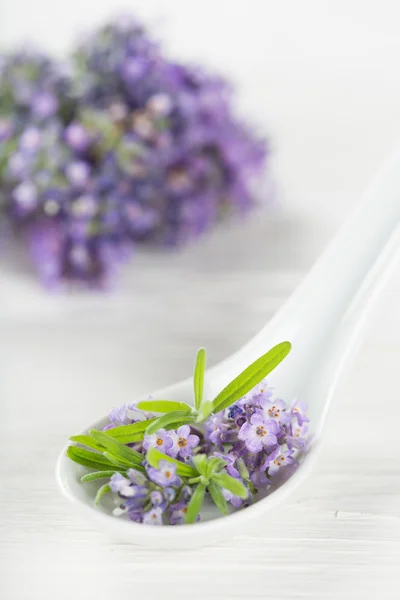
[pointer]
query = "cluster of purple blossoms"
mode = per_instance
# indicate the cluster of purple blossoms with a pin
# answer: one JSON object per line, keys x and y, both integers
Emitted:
{"x": 154, "y": 498}
{"x": 130, "y": 148}
{"x": 259, "y": 438}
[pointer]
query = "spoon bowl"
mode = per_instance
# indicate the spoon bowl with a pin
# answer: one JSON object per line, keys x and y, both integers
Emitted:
{"x": 323, "y": 320}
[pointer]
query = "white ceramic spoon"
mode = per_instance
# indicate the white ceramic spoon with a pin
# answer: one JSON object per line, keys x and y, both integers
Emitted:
{"x": 323, "y": 320}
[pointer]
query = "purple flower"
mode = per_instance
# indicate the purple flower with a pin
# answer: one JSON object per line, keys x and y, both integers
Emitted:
{"x": 25, "y": 196}
{"x": 77, "y": 137}
{"x": 30, "y": 139}
{"x": 6, "y": 129}
{"x": 254, "y": 396}
{"x": 126, "y": 487}
{"x": 78, "y": 173}
{"x": 44, "y": 104}
{"x": 169, "y": 494}
{"x": 136, "y": 477}
{"x": 157, "y": 499}
{"x": 259, "y": 433}
{"x": 186, "y": 493}
{"x": 118, "y": 416}
{"x": 153, "y": 516}
{"x": 277, "y": 460}
{"x": 160, "y": 440}
{"x": 299, "y": 411}
{"x": 234, "y": 500}
{"x": 297, "y": 436}
{"x": 183, "y": 442}
{"x": 231, "y": 460}
{"x": 178, "y": 513}
{"x": 235, "y": 412}
{"x": 274, "y": 409}
{"x": 165, "y": 475}
{"x": 259, "y": 479}
{"x": 145, "y": 150}
{"x": 215, "y": 426}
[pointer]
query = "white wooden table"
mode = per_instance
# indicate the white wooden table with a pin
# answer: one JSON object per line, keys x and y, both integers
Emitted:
{"x": 338, "y": 536}
{"x": 64, "y": 361}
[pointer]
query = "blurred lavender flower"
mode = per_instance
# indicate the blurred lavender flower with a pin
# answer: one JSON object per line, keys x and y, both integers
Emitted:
{"x": 129, "y": 148}
{"x": 178, "y": 513}
{"x": 299, "y": 410}
{"x": 153, "y": 516}
{"x": 278, "y": 459}
{"x": 234, "y": 500}
{"x": 216, "y": 425}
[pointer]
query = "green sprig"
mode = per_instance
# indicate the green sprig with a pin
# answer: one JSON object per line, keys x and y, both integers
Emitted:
{"x": 206, "y": 473}
{"x": 198, "y": 378}
{"x": 254, "y": 373}
{"x": 180, "y": 413}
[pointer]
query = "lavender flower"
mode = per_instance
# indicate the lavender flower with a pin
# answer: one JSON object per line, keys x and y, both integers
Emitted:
{"x": 259, "y": 479}
{"x": 277, "y": 460}
{"x": 215, "y": 427}
{"x": 258, "y": 433}
{"x": 157, "y": 499}
{"x": 131, "y": 487}
{"x": 152, "y": 143}
{"x": 299, "y": 411}
{"x": 297, "y": 436}
{"x": 178, "y": 513}
{"x": 160, "y": 440}
{"x": 231, "y": 460}
{"x": 274, "y": 409}
{"x": 118, "y": 416}
{"x": 153, "y": 516}
{"x": 183, "y": 442}
{"x": 234, "y": 500}
{"x": 165, "y": 475}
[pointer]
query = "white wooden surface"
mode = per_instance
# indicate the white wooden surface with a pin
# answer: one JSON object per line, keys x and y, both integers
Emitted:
{"x": 333, "y": 109}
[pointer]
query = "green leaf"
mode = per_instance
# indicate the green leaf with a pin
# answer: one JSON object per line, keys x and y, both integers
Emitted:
{"x": 128, "y": 439}
{"x": 218, "y": 497}
{"x": 231, "y": 484}
{"x": 99, "y": 475}
{"x": 215, "y": 464}
{"x": 89, "y": 459}
{"x": 198, "y": 378}
{"x": 177, "y": 418}
{"x": 119, "y": 462}
{"x": 255, "y": 373}
{"x": 103, "y": 490}
{"x": 243, "y": 470}
{"x": 163, "y": 406}
{"x": 116, "y": 448}
{"x": 153, "y": 457}
{"x": 195, "y": 503}
{"x": 128, "y": 434}
{"x": 205, "y": 411}
{"x": 200, "y": 461}
{"x": 86, "y": 440}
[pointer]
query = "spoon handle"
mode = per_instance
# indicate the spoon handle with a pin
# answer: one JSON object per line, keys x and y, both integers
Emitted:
{"x": 317, "y": 307}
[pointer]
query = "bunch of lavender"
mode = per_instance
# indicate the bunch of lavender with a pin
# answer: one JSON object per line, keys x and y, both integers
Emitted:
{"x": 160, "y": 468}
{"x": 36, "y": 165}
{"x": 143, "y": 150}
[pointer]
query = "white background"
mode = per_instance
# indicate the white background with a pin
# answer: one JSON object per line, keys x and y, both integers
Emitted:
{"x": 323, "y": 79}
